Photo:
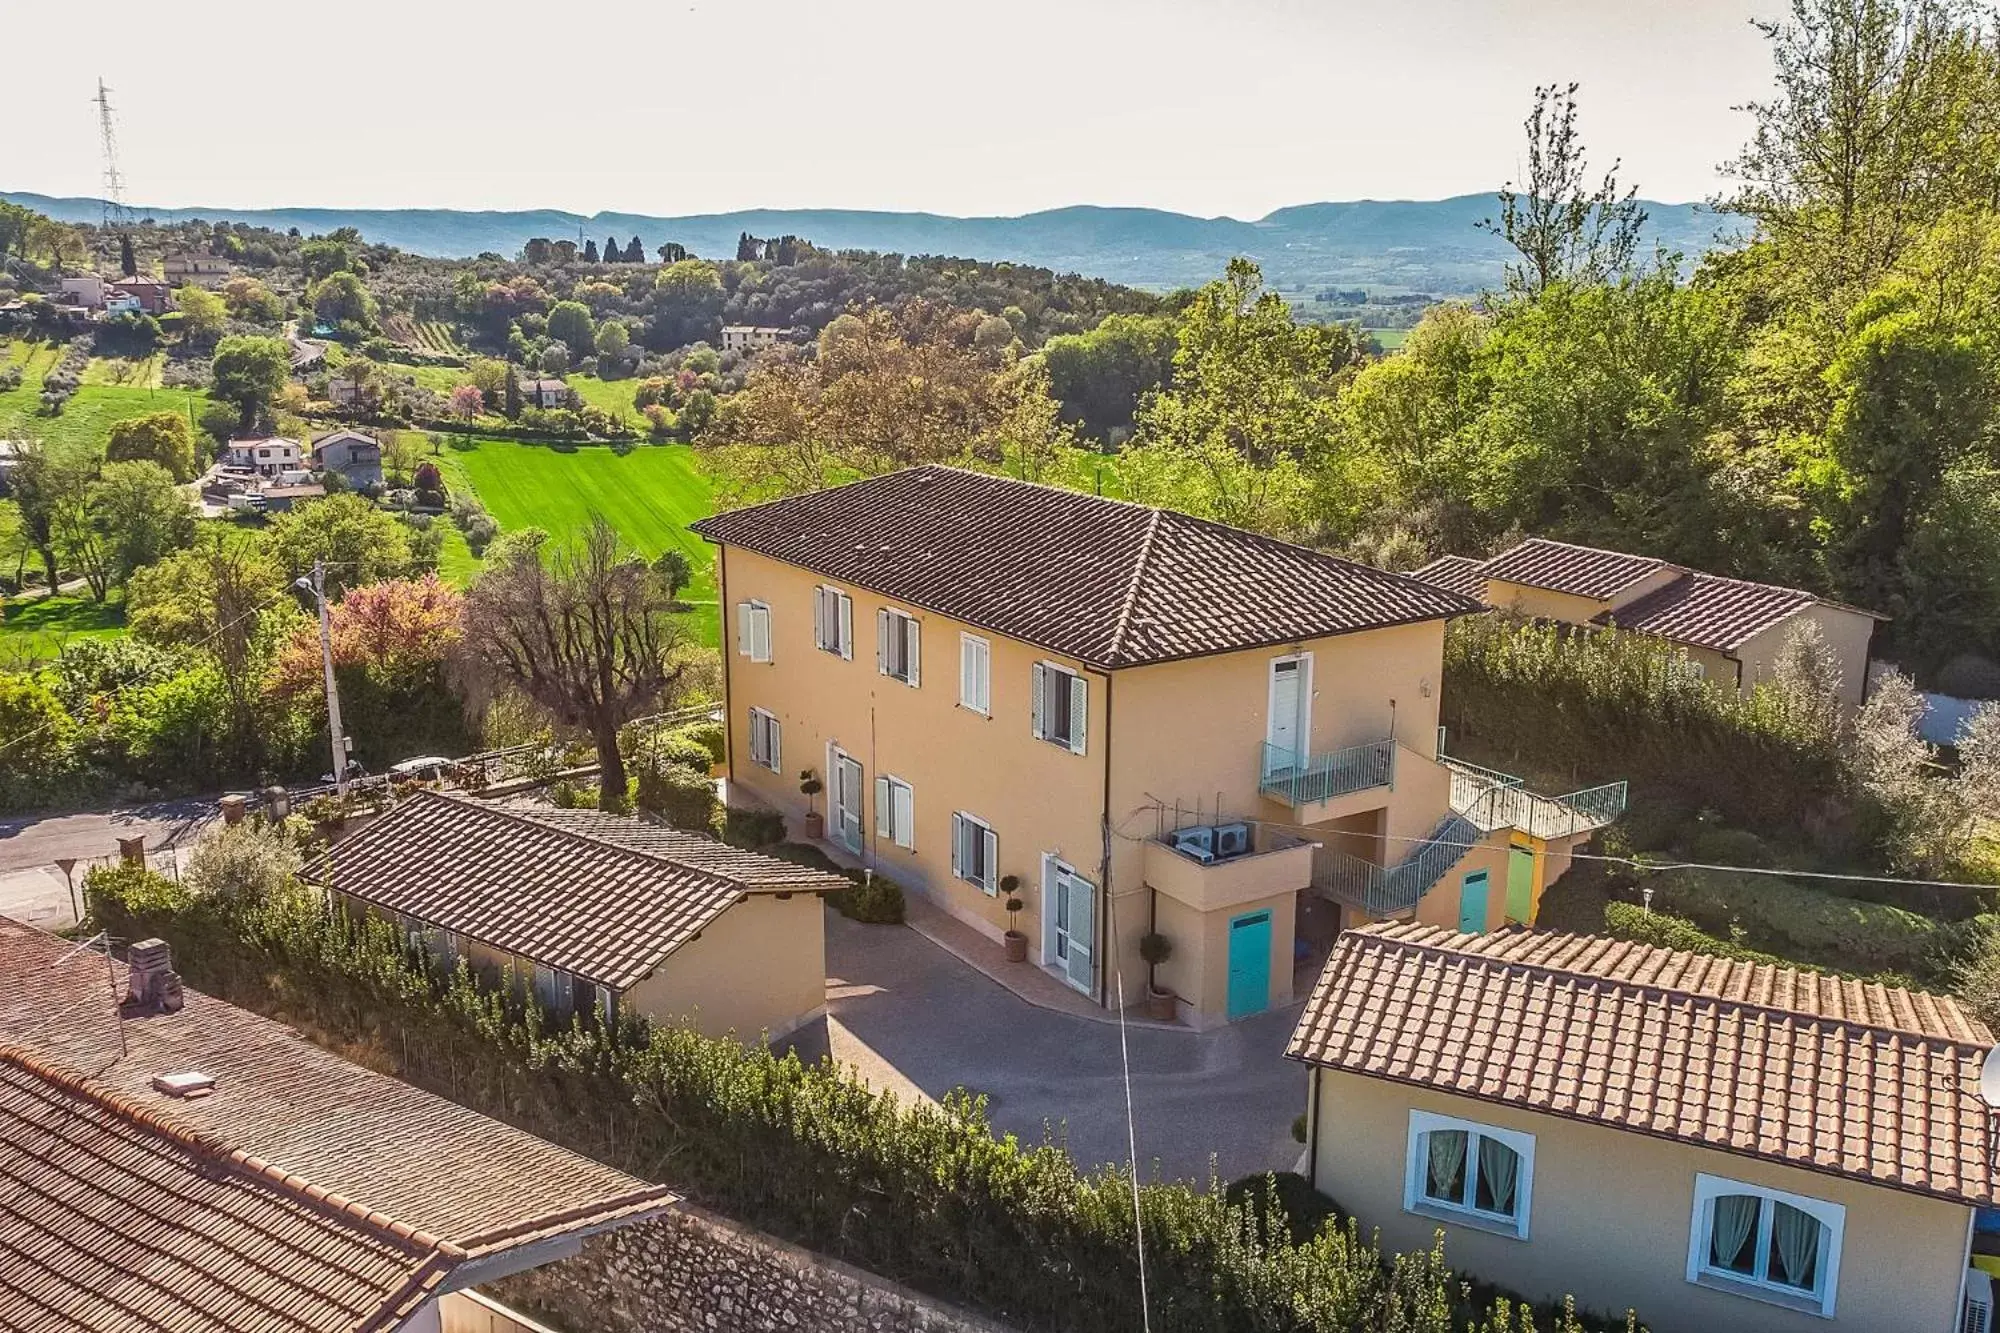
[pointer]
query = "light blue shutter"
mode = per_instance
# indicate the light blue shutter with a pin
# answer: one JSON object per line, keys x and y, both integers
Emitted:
{"x": 1079, "y": 725}
{"x": 988, "y": 872}
{"x": 846, "y": 625}
{"x": 819, "y": 617}
{"x": 912, "y": 637}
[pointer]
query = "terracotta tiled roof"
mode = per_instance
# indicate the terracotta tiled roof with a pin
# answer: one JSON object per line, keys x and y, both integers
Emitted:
{"x": 430, "y": 1165}
{"x": 111, "y": 1217}
{"x": 1835, "y": 1076}
{"x": 1455, "y": 573}
{"x": 553, "y": 890}
{"x": 1709, "y": 611}
{"x": 751, "y": 869}
{"x": 1583, "y": 571}
{"x": 1108, "y": 583}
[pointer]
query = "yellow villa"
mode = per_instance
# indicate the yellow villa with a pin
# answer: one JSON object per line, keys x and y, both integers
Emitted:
{"x": 1725, "y": 1147}
{"x": 1153, "y": 723}
{"x": 1732, "y": 630}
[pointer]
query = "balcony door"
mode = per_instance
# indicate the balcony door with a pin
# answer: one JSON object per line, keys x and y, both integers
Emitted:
{"x": 844, "y": 804}
{"x": 1069, "y": 922}
{"x": 1288, "y": 724}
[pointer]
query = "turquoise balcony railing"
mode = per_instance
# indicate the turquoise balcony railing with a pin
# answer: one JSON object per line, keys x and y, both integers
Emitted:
{"x": 1307, "y": 779}
{"x": 1383, "y": 891}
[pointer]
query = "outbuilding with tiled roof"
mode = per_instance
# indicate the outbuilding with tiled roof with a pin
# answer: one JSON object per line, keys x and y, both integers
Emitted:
{"x": 597, "y": 911}
{"x": 1720, "y": 1144}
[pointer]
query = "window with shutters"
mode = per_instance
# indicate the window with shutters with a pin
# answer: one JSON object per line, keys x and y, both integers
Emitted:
{"x": 975, "y": 674}
{"x": 753, "y": 630}
{"x": 764, "y": 746}
{"x": 895, "y": 812}
{"x": 1061, "y": 698}
{"x": 833, "y": 621}
{"x": 897, "y": 640}
{"x": 975, "y": 852}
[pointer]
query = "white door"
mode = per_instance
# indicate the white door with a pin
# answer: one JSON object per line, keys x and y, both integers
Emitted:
{"x": 1283, "y": 730}
{"x": 1073, "y": 908}
{"x": 847, "y": 801}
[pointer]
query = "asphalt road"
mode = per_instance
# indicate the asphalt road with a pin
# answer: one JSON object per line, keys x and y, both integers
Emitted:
{"x": 32, "y": 887}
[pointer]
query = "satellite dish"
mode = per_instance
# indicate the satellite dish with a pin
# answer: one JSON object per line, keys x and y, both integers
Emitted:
{"x": 1989, "y": 1079}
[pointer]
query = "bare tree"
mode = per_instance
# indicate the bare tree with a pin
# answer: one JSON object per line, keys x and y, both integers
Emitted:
{"x": 1561, "y": 231}
{"x": 589, "y": 635}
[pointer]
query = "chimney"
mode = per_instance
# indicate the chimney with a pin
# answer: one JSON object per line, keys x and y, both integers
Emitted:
{"x": 232, "y": 809}
{"x": 152, "y": 986}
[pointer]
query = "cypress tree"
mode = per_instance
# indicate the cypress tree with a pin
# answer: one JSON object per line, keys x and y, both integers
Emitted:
{"x": 512, "y": 402}
{"x": 128, "y": 263}
{"x": 590, "y": 252}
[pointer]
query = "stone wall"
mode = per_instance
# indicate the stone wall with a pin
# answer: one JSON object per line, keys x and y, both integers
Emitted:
{"x": 694, "y": 1272}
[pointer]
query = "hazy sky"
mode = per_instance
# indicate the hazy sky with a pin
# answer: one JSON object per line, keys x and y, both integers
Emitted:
{"x": 1204, "y": 106}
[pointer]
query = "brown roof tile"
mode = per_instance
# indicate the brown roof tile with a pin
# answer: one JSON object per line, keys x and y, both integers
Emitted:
{"x": 1108, "y": 583}
{"x": 1455, "y": 573}
{"x": 600, "y": 896}
{"x": 1583, "y": 571}
{"x": 1836, "y": 1076}
{"x": 430, "y": 1164}
{"x": 1709, "y": 611}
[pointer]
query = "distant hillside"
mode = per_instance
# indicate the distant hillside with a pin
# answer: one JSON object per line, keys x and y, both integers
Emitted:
{"x": 1429, "y": 246}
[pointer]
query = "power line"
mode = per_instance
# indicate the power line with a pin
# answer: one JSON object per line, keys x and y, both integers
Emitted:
{"x": 1131, "y": 1124}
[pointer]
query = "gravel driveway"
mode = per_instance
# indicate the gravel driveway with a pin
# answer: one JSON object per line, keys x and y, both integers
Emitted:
{"x": 909, "y": 1013}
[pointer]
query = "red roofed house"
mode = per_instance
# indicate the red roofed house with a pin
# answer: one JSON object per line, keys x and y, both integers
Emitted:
{"x": 1154, "y": 723}
{"x": 176, "y": 1163}
{"x": 1732, "y": 630}
{"x": 1723, "y": 1146}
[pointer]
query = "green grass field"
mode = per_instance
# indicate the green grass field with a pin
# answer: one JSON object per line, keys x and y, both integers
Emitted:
{"x": 439, "y": 379}
{"x": 87, "y": 419}
{"x": 650, "y": 495}
{"x": 35, "y": 628}
{"x": 1390, "y": 339}
{"x": 607, "y": 395}
{"x": 126, "y": 372}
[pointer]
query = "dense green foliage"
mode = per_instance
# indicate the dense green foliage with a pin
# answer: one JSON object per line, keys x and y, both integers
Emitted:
{"x": 920, "y": 1193}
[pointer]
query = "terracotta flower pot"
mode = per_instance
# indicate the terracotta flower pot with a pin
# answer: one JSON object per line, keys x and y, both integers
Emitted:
{"x": 1017, "y": 946}
{"x": 1162, "y": 1006}
{"x": 815, "y": 825}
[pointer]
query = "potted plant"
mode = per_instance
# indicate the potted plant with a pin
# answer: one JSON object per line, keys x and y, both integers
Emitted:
{"x": 1156, "y": 948}
{"x": 1016, "y": 943}
{"x": 810, "y": 784}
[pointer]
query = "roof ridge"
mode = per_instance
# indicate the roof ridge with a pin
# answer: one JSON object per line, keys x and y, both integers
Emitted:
{"x": 164, "y": 1124}
{"x": 1124, "y": 621}
{"x": 1659, "y": 954}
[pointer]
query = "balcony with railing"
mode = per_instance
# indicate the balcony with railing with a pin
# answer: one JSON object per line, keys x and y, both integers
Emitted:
{"x": 1491, "y": 800}
{"x": 1302, "y": 778}
{"x": 1385, "y": 891}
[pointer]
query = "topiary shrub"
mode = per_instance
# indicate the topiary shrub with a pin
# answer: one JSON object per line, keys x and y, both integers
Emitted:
{"x": 875, "y": 899}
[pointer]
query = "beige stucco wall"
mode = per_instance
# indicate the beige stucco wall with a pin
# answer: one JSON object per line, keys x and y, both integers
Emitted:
{"x": 1847, "y": 634}
{"x": 1542, "y": 603}
{"x": 1199, "y": 970}
{"x": 1439, "y": 907}
{"x": 759, "y": 967}
{"x": 1610, "y": 1213}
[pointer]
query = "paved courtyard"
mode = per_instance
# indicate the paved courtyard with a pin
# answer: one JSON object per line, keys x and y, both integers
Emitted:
{"x": 914, "y": 1018}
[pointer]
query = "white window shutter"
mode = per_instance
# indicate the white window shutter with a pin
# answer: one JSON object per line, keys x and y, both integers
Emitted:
{"x": 968, "y": 678}
{"x": 883, "y": 808}
{"x": 958, "y": 860}
{"x": 819, "y": 617}
{"x": 777, "y": 760}
{"x": 912, "y": 641}
{"x": 989, "y": 866}
{"x": 746, "y": 629}
{"x": 846, "y": 625}
{"x": 882, "y": 641}
{"x": 760, "y": 643}
{"x": 906, "y": 813}
{"x": 1079, "y": 697}
{"x": 1038, "y": 688}
{"x": 756, "y": 738}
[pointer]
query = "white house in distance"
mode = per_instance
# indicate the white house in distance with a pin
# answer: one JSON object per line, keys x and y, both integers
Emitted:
{"x": 750, "y": 337}
{"x": 355, "y": 455}
{"x": 268, "y": 456}
{"x": 545, "y": 393}
{"x": 84, "y": 289}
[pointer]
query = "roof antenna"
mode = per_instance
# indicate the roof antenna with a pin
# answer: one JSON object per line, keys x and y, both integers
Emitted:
{"x": 102, "y": 938}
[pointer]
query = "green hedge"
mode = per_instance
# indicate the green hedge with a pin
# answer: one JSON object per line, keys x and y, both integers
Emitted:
{"x": 921, "y": 1194}
{"x": 1796, "y": 921}
{"x": 1623, "y": 921}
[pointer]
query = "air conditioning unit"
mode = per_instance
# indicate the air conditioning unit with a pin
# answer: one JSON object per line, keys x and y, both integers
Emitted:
{"x": 1978, "y": 1314}
{"x": 1198, "y": 843}
{"x": 1231, "y": 840}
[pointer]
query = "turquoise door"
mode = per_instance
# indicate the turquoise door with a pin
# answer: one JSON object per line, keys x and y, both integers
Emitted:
{"x": 1472, "y": 903}
{"x": 1249, "y": 964}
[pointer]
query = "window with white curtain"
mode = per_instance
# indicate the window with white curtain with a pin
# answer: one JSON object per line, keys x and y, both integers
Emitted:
{"x": 1469, "y": 1173}
{"x": 1765, "y": 1244}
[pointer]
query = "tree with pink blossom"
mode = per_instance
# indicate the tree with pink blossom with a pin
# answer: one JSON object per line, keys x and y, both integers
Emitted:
{"x": 467, "y": 402}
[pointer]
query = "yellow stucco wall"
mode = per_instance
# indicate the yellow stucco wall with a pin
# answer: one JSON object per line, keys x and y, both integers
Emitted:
{"x": 1542, "y": 603}
{"x": 1847, "y": 634}
{"x": 1610, "y": 1212}
{"x": 1189, "y": 733}
{"x": 759, "y": 967}
{"x": 1199, "y": 970}
{"x": 1439, "y": 907}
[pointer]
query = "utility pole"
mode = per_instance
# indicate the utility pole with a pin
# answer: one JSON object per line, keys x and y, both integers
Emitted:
{"x": 316, "y": 585}
{"x": 114, "y": 180}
